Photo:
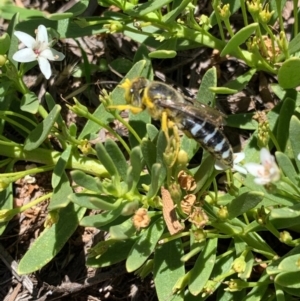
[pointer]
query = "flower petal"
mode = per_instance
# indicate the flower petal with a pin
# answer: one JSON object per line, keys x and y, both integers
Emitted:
{"x": 45, "y": 67}
{"x": 220, "y": 166}
{"x": 238, "y": 157}
{"x": 24, "y": 55}
{"x": 265, "y": 157}
{"x": 262, "y": 181}
{"x": 58, "y": 55}
{"x": 52, "y": 55}
{"x": 255, "y": 169}
{"x": 25, "y": 38}
{"x": 240, "y": 169}
{"x": 41, "y": 34}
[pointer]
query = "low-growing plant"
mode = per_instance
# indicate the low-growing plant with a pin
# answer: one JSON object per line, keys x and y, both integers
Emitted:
{"x": 163, "y": 216}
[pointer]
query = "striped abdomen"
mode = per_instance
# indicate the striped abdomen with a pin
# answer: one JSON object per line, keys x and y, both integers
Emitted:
{"x": 211, "y": 139}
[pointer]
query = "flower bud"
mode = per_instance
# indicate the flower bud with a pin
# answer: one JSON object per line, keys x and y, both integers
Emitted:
{"x": 254, "y": 7}
{"x": 199, "y": 235}
{"x": 239, "y": 265}
{"x": 3, "y": 59}
{"x": 224, "y": 11}
{"x": 223, "y": 213}
{"x": 285, "y": 237}
{"x": 265, "y": 15}
{"x": 113, "y": 27}
{"x": 182, "y": 158}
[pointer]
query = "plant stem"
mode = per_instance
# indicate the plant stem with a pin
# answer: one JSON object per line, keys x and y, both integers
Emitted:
{"x": 50, "y": 157}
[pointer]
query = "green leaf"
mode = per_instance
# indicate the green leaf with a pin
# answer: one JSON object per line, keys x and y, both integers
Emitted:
{"x": 168, "y": 268}
{"x": 259, "y": 290}
{"x": 158, "y": 174}
{"x": 242, "y": 121}
{"x": 30, "y": 103}
{"x": 152, "y": 131}
{"x": 203, "y": 267}
{"x": 14, "y": 41}
{"x": 290, "y": 264}
{"x": 66, "y": 28}
{"x": 209, "y": 80}
{"x": 86, "y": 181}
{"x": 40, "y": 133}
{"x": 284, "y": 162}
{"x": 272, "y": 268}
{"x": 285, "y": 115}
{"x": 94, "y": 201}
{"x": 223, "y": 90}
{"x": 176, "y": 11}
{"x": 142, "y": 54}
{"x": 117, "y": 157}
{"x": 162, "y": 54}
{"x": 289, "y": 279}
{"x": 144, "y": 245}
{"x": 122, "y": 231}
{"x": 121, "y": 65}
{"x": 244, "y": 203}
{"x": 239, "y": 38}
{"x": 288, "y": 73}
{"x": 285, "y": 217}
{"x": 161, "y": 147}
{"x": 61, "y": 192}
{"x": 107, "y": 161}
{"x": 60, "y": 16}
{"x": 61, "y": 166}
{"x": 104, "y": 218}
{"x": 282, "y": 93}
{"x": 294, "y": 44}
{"x": 137, "y": 165}
{"x": 149, "y": 152}
{"x": 78, "y": 8}
{"x": 240, "y": 82}
{"x": 190, "y": 146}
{"x": 205, "y": 171}
{"x": 51, "y": 104}
{"x": 8, "y": 11}
{"x": 4, "y": 43}
{"x": 294, "y": 134}
{"x": 51, "y": 240}
{"x": 146, "y": 8}
{"x": 115, "y": 253}
{"x": 6, "y": 196}
{"x": 138, "y": 122}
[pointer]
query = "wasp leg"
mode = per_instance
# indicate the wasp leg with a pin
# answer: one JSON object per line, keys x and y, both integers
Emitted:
{"x": 165, "y": 125}
{"x": 173, "y": 142}
{"x": 133, "y": 109}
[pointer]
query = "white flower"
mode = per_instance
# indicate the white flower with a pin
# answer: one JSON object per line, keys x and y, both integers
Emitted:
{"x": 37, "y": 50}
{"x": 237, "y": 158}
{"x": 267, "y": 171}
{"x": 298, "y": 157}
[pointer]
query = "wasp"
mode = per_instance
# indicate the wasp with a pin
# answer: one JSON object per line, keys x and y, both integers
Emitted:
{"x": 196, "y": 119}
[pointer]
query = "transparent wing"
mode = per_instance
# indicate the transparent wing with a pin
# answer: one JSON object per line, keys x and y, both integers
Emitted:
{"x": 195, "y": 109}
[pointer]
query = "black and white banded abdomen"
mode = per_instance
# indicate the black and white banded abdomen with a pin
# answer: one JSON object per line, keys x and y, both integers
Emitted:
{"x": 211, "y": 138}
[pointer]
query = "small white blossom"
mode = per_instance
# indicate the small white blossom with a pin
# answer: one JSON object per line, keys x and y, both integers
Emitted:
{"x": 237, "y": 158}
{"x": 266, "y": 172}
{"x": 37, "y": 50}
{"x": 298, "y": 157}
